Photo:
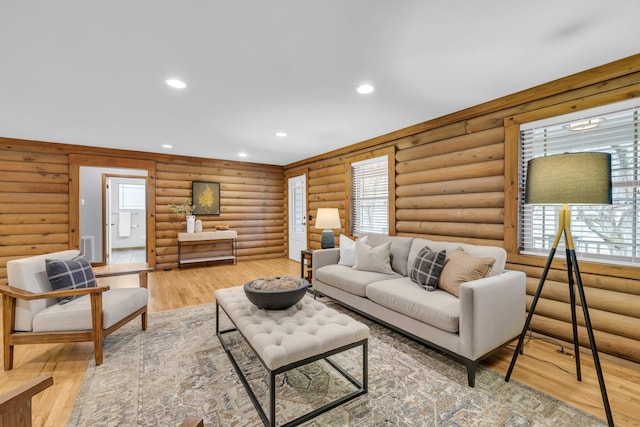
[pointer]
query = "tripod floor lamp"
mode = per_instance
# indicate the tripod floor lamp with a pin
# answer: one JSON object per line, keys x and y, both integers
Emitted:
{"x": 565, "y": 179}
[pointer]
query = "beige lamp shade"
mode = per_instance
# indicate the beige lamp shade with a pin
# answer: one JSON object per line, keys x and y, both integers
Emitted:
{"x": 570, "y": 178}
{"x": 328, "y": 218}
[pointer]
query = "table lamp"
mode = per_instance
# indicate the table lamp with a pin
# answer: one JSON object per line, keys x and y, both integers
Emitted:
{"x": 328, "y": 218}
{"x": 568, "y": 179}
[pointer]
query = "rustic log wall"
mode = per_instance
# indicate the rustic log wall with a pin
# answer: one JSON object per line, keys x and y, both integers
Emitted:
{"x": 456, "y": 181}
{"x": 251, "y": 202}
{"x": 35, "y": 214}
{"x": 34, "y": 202}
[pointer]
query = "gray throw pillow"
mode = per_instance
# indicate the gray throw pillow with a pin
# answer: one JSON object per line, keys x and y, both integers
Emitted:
{"x": 376, "y": 259}
{"x": 427, "y": 268}
{"x": 71, "y": 273}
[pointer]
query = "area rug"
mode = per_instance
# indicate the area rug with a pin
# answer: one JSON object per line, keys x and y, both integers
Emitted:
{"x": 178, "y": 368}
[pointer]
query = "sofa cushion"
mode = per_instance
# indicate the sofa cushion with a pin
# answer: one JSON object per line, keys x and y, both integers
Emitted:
{"x": 461, "y": 268}
{"x": 400, "y": 247}
{"x": 349, "y": 280}
{"x": 377, "y": 259}
{"x": 74, "y": 273}
{"x": 438, "y": 308}
{"x": 427, "y": 268}
{"x": 76, "y": 315}
{"x": 495, "y": 252}
{"x": 348, "y": 250}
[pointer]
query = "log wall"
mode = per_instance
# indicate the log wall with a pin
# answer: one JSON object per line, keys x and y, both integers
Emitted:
{"x": 35, "y": 200}
{"x": 456, "y": 180}
{"x": 251, "y": 202}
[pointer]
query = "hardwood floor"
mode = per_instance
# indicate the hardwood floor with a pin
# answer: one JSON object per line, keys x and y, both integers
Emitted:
{"x": 542, "y": 367}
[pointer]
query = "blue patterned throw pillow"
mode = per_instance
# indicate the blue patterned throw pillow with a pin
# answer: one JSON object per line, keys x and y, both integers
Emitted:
{"x": 71, "y": 273}
{"x": 427, "y": 267}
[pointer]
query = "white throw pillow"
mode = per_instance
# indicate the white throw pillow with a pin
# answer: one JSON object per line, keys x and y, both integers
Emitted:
{"x": 348, "y": 250}
{"x": 376, "y": 259}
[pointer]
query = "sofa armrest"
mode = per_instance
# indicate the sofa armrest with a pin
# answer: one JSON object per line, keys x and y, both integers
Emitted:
{"x": 492, "y": 312}
{"x": 322, "y": 257}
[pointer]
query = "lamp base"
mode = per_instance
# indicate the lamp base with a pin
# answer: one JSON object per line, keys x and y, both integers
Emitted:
{"x": 328, "y": 241}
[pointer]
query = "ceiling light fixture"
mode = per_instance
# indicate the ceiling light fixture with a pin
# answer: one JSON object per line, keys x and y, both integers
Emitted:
{"x": 281, "y": 134}
{"x": 585, "y": 124}
{"x": 242, "y": 154}
{"x": 365, "y": 89}
{"x": 167, "y": 146}
{"x": 177, "y": 84}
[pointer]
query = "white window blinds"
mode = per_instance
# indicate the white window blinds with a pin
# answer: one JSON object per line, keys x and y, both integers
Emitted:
{"x": 370, "y": 196}
{"x": 601, "y": 233}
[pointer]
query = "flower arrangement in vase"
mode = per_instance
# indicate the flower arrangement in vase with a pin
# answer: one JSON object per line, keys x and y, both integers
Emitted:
{"x": 186, "y": 208}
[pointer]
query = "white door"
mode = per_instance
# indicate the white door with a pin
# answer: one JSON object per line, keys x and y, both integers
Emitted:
{"x": 297, "y": 216}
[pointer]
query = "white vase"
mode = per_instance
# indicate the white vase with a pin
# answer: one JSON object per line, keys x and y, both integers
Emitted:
{"x": 198, "y": 226}
{"x": 191, "y": 223}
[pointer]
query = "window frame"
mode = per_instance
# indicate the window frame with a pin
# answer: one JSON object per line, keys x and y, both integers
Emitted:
{"x": 512, "y": 159}
{"x": 391, "y": 171}
{"x": 619, "y": 136}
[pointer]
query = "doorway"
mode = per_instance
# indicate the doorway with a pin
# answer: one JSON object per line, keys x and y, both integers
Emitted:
{"x": 297, "y": 216}
{"x": 123, "y": 197}
{"x": 145, "y": 169}
{"x": 113, "y": 215}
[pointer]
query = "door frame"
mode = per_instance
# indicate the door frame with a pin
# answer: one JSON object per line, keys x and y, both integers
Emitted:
{"x": 107, "y": 232}
{"x": 78, "y": 160}
{"x": 289, "y": 216}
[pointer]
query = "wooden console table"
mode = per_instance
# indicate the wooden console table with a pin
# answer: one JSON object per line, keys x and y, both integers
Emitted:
{"x": 207, "y": 238}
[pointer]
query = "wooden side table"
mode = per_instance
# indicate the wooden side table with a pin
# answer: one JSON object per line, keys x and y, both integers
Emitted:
{"x": 306, "y": 255}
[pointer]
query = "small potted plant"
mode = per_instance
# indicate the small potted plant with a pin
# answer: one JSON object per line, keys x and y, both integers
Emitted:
{"x": 186, "y": 208}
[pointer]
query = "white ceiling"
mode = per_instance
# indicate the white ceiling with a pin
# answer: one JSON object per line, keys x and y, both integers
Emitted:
{"x": 92, "y": 73}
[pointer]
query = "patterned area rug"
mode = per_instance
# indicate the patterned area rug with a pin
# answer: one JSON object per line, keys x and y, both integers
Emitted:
{"x": 178, "y": 368}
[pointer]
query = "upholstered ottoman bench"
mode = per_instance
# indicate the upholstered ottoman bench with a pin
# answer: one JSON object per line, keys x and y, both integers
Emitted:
{"x": 286, "y": 339}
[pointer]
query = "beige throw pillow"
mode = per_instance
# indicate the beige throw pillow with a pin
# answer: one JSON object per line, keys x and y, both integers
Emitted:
{"x": 376, "y": 259}
{"x": 461, "y": 268}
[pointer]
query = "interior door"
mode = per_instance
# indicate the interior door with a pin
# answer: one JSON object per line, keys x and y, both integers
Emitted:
{"x": 297, "y": 216}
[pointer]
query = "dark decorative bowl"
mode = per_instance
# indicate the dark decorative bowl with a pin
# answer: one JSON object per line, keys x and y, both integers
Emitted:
{"x": 277, "y": 299}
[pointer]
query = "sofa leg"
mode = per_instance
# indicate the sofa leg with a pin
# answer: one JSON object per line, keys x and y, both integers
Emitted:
{"x": 471, "y": 373}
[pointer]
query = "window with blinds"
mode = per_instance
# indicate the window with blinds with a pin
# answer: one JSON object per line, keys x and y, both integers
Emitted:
{"x": 370, "y": 196}
{"x": 601, "y": 233}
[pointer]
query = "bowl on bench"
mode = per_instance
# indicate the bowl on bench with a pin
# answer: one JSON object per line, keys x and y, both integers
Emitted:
{"x": 276, "y": 293}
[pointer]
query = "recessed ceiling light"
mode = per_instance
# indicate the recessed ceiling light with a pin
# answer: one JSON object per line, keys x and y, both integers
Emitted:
{"x": 178, "y": 84}
{"x": 281, "y": 134}
{"x": 365, "y": 89}
{"x": 242, "y": 154}
{"x": 167, "y": 146}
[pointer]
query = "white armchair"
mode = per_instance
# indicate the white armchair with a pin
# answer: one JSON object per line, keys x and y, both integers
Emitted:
{"x": 32, "y": 315}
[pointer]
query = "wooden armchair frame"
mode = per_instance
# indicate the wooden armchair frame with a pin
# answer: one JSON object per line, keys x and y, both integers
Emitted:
{"x": 15, "y": 406}
{"x": 11, "y": 337}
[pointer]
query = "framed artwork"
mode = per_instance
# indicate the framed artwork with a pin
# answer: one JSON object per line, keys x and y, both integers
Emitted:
{"x": 206, "y": 198}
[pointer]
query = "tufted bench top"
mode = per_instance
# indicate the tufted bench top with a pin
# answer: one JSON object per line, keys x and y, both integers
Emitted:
{"x": 282, "y": 337}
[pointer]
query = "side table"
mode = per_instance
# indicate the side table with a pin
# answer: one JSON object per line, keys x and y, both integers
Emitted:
{"x": 306, "y": 255}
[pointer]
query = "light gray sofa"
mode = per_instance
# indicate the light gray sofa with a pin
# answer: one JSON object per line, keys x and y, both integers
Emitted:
{"x": 488, "y": 314}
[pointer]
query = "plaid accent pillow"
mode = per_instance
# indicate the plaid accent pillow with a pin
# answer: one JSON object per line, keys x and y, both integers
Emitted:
{"x": 427, "y": 267}
{"x": 71, "y": 273}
